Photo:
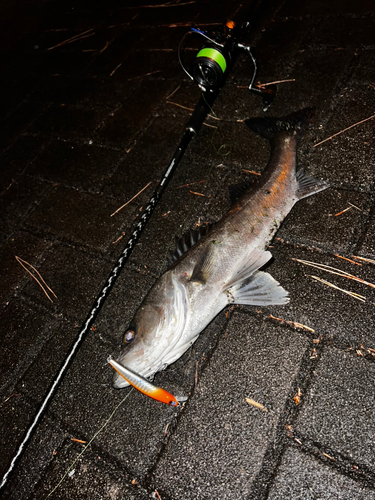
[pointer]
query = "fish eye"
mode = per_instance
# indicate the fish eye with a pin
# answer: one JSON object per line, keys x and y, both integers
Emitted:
{"x": 129, "y": 336}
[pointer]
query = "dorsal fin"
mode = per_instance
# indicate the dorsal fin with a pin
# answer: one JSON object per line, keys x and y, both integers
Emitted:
{"x": 187, "y": 240}
{"x": 204, "y": 268}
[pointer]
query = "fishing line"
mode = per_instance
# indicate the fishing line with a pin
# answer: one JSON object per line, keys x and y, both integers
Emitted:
{"x": 89, "y": 443}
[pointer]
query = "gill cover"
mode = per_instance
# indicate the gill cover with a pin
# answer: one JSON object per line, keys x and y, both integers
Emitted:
{"x": 159, "y": 325}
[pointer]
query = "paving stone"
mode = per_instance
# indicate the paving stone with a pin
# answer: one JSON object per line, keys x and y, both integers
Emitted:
{"x": 313, "y": 221}
{"x": 80, "y": 166}
{"x": 15, "y": 202}
{"x": 79, "y": 218}
{"x": 93, "y": 474}
{"x": 68, "y": 121}
{"x": 24, "y": 329}
{"x": 351, "y": 150}
{"x": 14, "y": 420}
{"x": 119, "y": 48}
{"x": 76, "y": 277}
{"x": 319, "y": 75}
{"x": 333, "y": 314}
{"x": 221, "y": 440}
{"x": 319, "y": 8}
{"x": 338, "y": 410}
{"x": 304, "y": 478}
{"x": 368, "y": 245}
{"x": 87, "y": 91}
{"x": 347, "y": 31}
{"x": 17, "y": 122}
{"x": 141, "y": 105}
{"x": 16, "y": 158}
{"x": 38, "y": 375}
{"x": 364, "y": 73}
{"x": 13, "y": 276}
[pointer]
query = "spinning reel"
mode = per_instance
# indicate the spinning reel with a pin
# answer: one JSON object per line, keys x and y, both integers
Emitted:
{"x": 215, "y": 56}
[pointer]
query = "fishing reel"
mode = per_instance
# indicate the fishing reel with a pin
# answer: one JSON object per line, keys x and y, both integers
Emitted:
{"x": 214, "y": 58}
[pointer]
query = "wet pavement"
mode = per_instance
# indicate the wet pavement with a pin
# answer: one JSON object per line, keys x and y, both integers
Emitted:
{"x": 94, "y": 103}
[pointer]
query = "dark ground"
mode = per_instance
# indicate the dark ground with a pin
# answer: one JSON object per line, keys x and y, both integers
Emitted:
{"x": 85, "y": 126}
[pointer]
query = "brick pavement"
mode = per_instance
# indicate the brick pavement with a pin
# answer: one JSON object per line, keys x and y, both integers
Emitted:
{"x": 85, "y": 126}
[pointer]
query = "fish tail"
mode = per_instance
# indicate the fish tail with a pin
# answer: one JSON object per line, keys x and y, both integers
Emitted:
{"x": 294, "y": 124}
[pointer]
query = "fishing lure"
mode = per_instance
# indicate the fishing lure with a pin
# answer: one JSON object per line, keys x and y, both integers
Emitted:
{"x": 145, "y": 386}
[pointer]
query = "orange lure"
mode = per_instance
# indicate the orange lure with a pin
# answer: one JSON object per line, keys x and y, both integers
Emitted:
{"x": 143, "y": 385}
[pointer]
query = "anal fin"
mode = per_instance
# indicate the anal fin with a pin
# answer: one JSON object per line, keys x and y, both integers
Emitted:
{"x": 259, "y": 290}
{"x": 308, "y": 185}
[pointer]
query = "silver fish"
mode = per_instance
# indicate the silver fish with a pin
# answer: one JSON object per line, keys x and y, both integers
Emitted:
{"x": 223, "y": 266}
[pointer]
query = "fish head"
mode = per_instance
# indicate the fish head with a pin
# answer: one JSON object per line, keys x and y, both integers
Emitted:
{"x": 155, "y": 331}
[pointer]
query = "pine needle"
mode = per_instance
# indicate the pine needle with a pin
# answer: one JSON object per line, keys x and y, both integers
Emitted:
{"x": 293, "y": 323}
{"x": 24, "y": 264}
{"x": 127, "y": 203}
{"x": 352, "y": 294}
{"x": 345, "y": 129}
{"x": 370, "y": 261}
{"x": 334, "y": 270}
{"x": 75, "y": 38}
{"x": 256, "y": 404}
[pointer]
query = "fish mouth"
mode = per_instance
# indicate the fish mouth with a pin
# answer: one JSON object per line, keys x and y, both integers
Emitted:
{"x": 133, "y": 358}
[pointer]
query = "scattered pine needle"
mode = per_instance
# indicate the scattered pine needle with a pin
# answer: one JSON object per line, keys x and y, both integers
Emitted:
{"x": 349, "y": 260}
{"x": 118, "y": 239}
{"x": 157, "y": 494}
{"x": 191, "y": 184}
{"x": 334, "y": 270}
{"x": 193, "y": 192}
{"x": 24, "y": 264}
{"x": 370, "y": 261}
{"x": 11, "y": 396}
{"x": 173, "y": 93}
{"x": 114, "y": 70}
{"x": 142, "y": 76}
{"x": 342, "y": 211}
{"x": 328, "y": 456}
{"x": 352, "y": 294}
{"x": 261, "y": 85}
{"x": 78, "y": 441}
{"x": 75, "y": 38}
{"x": 251, "y": 172}
{"x": 256, "y": 405}
{"x": 293, "y": 323}
{"x": 191, "y": 109}
{"x": 134, "y": 197}
{"x": 354, "y": 206}
{"x": 179, "y": 105}
{"x": 345, "y": 129}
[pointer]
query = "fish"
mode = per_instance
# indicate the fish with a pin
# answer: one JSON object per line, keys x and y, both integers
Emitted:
{"x": 222, "y": 265}
{"x": 145, "y": 386}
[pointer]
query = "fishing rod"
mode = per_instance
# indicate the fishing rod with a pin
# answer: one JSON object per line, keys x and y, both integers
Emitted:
{"x": 209, "y": 69}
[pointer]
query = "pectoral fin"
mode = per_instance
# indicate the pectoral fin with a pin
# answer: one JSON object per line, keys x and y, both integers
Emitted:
{"x": 247, "y": 267}
{"x": 308, "y": 185}
{"x": 258, "y": 290}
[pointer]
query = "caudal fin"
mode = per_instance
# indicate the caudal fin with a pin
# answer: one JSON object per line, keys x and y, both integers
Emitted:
{"x": 293, "y": 124}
